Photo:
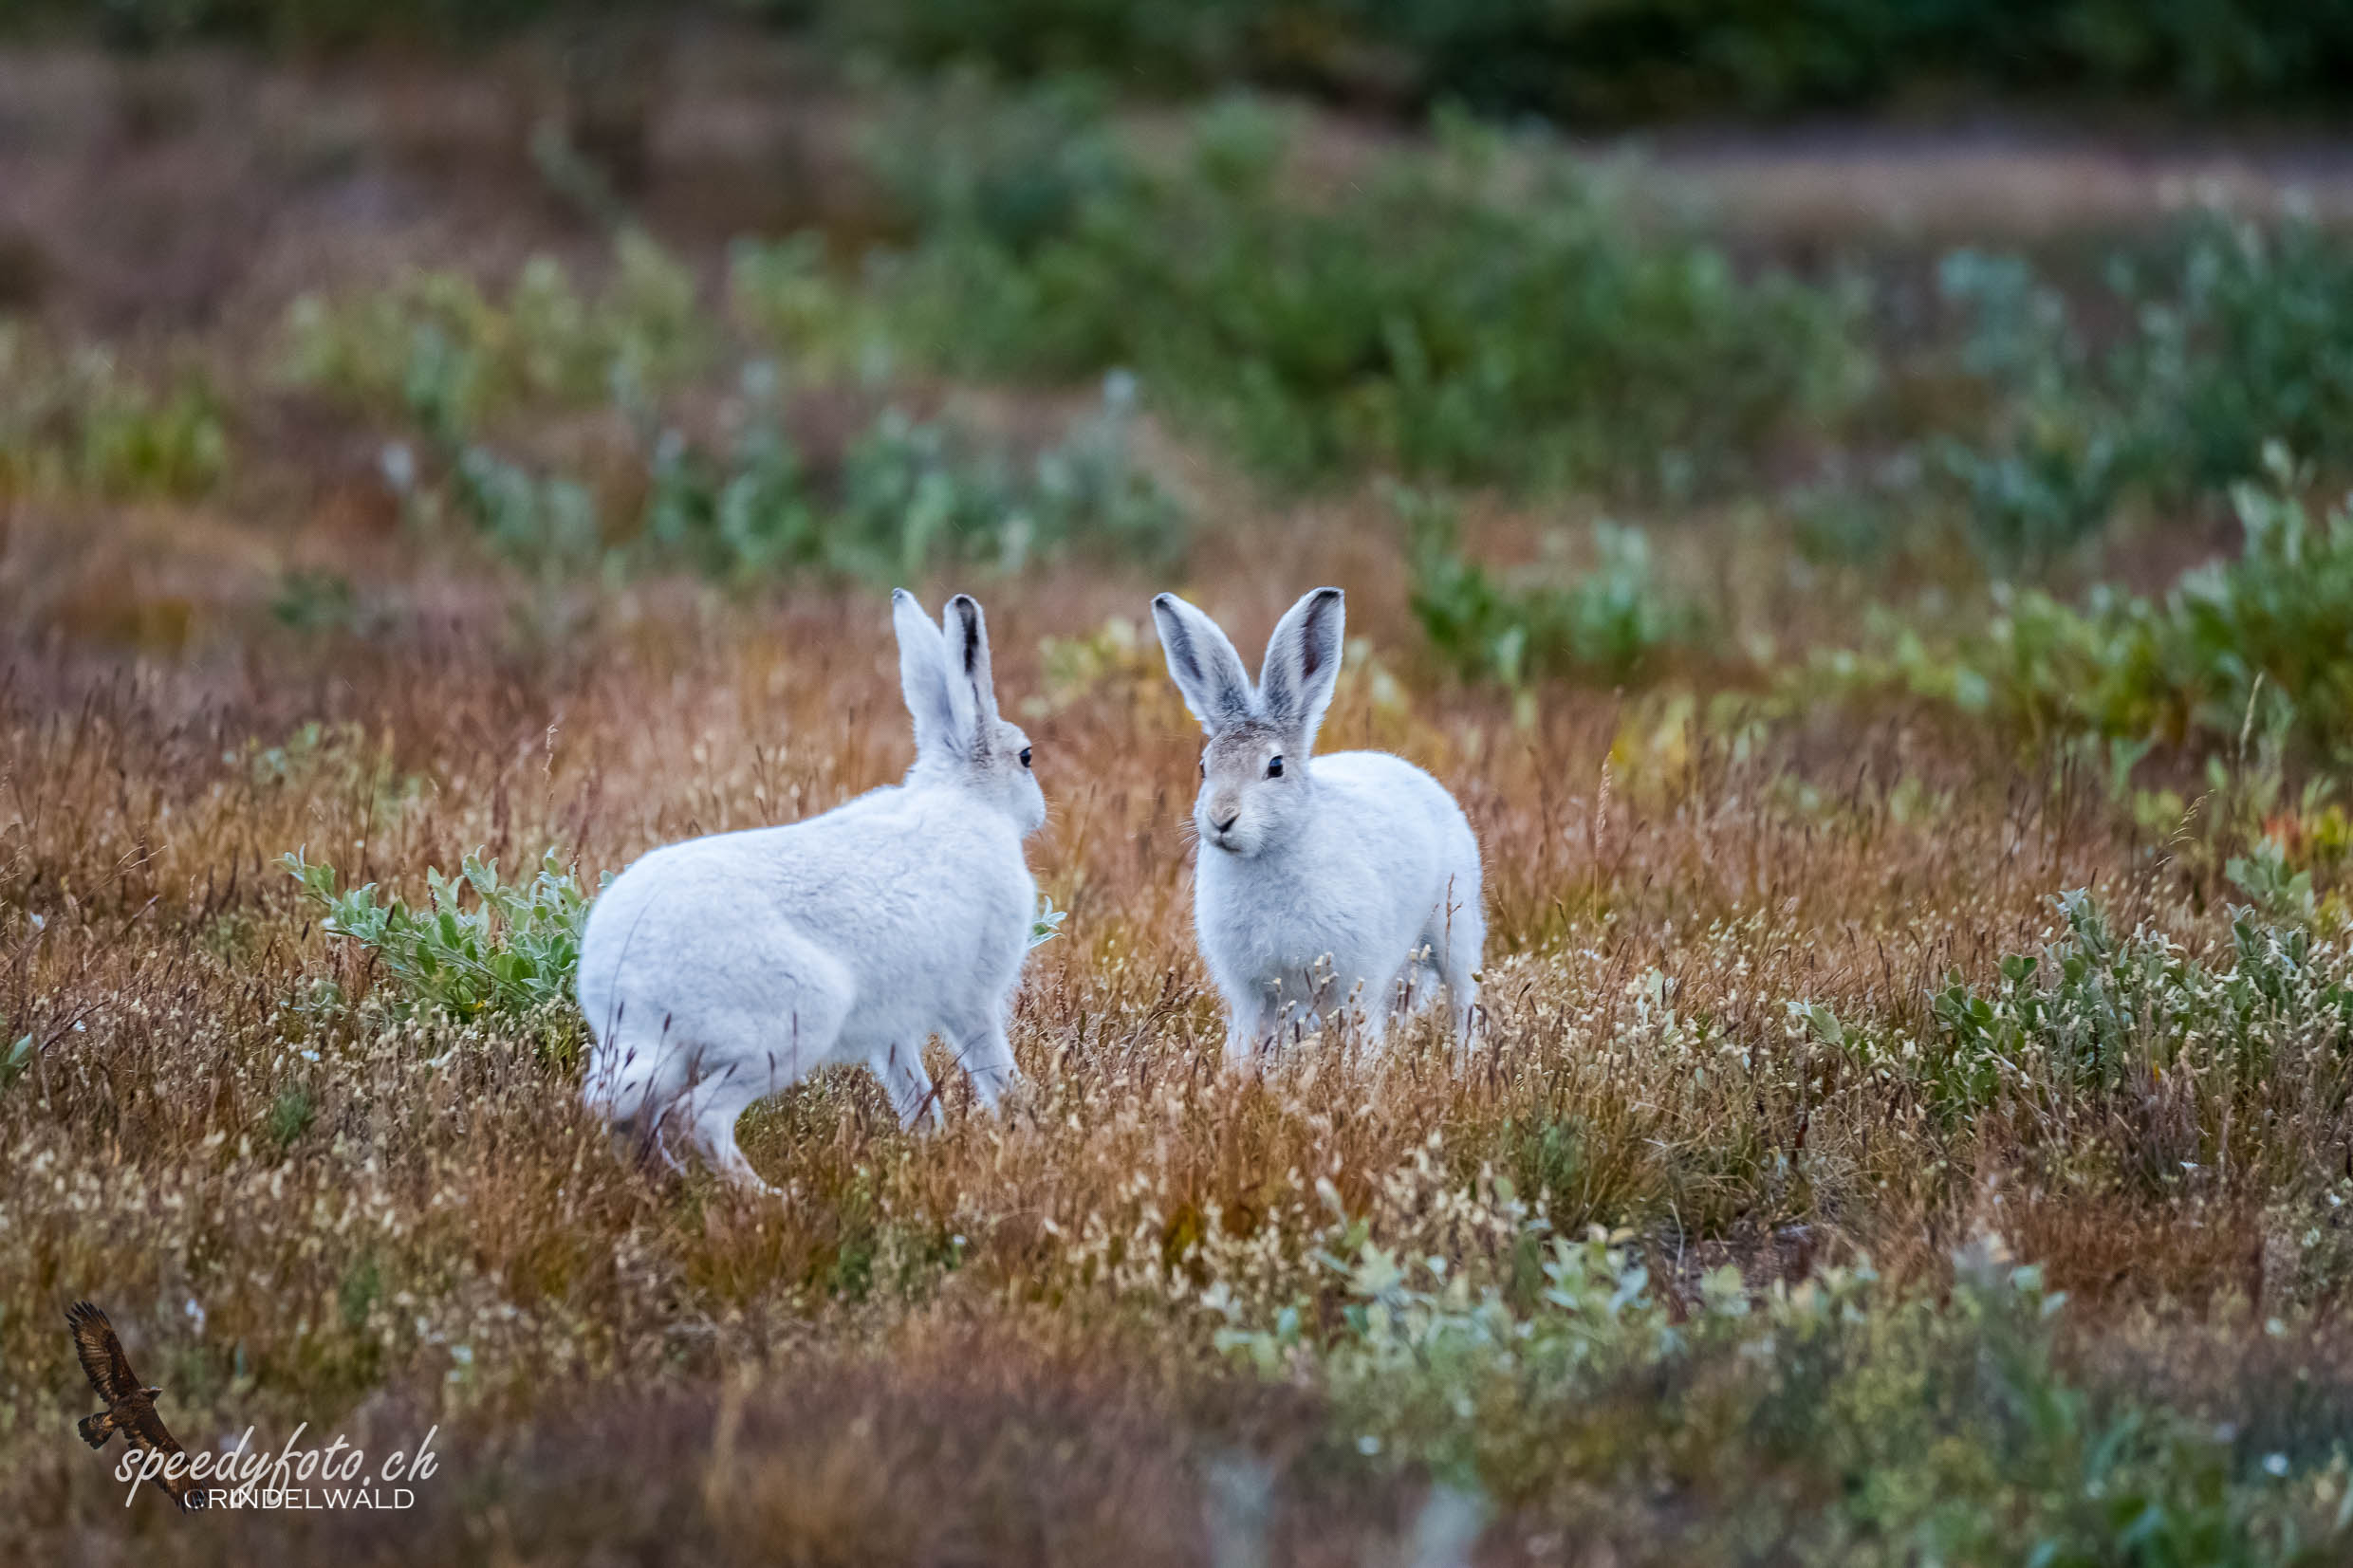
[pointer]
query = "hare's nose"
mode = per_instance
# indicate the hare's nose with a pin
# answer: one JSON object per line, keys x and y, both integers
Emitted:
{"x": 1232, "y": 818}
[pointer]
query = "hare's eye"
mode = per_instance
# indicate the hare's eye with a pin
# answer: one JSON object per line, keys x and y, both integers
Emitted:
{"x": 1025, "y": 756}
{"x": 1275, "y": 768}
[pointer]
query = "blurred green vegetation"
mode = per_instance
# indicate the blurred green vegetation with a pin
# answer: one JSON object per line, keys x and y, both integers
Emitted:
{"x": 288, "y": 24}
{"x": 2258, "y": 645}
{"x": 1621, "y": 59}
{"x": 434, "y": 355}
{"x": 1475, "y": 309}
{"x": 1474, "y": 313}
{"x": 434, "y": 344}
{"x": 2236, "y": 334}
{"x": 79, "y": 421}
{"x": 1482, "y": 307}
{"x": 1608, "y": 618}
{"x": 1580, "y": 61}
{"x": 1857, "y": 1425}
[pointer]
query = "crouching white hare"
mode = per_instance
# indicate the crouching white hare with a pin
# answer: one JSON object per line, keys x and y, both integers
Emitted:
{"x": 721, "y": 971}
{"x": 1323, "y": 883}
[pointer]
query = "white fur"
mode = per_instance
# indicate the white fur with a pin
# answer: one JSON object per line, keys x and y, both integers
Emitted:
{"x": 721, "y": 971}
{"x": 1346, "y": 882}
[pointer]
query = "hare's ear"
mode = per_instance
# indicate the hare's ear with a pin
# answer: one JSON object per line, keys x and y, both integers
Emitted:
{"x": 1302, "y": 662}
{"x": 969, "y": 685}
{"x": 1203, "y": 664}
{"x": 923, "y": 676}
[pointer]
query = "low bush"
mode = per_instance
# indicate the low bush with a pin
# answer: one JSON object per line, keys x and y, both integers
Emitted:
{"x": 1471, "y": 310}
{"x": 433, "y": 348}
{"x": 2259, "y": 643}
{"x": 513, "y": 950}
{"x": 2095, "y": 1012}
{"x": 79, "y": 424}
{"x": 435, "y": 353}
{"x": 1857, "y": 1421}
{"x": 909, "y": 496}
{"x": 2237, "y": 334}
{"x": 1610, "y": 621}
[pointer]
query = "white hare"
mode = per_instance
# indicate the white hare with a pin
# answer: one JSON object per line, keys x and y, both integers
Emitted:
{"x": 721, "y": 971}
{"x": 1322, "y": 883}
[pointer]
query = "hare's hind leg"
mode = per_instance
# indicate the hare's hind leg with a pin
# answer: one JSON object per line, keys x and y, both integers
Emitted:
{"x": 1452, "y": 963}
{"x": 717, "y": 1107}
{"x": 1456, "y": 941}
{"x": 1462, "y": 995}
{"x": 987, "y": 1057}
{"x": 767, "y": 1020}
{"x": 901, "y": 1070}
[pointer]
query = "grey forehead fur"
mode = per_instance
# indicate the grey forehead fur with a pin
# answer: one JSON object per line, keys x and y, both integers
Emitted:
{"x": 1242, "y": 742}
{"x": 1002, "y": 739}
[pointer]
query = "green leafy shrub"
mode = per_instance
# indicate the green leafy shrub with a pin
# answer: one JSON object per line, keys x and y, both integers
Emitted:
{"x": 1017, "y": 172}
{"x": 2048, "y": 472}
{"x": 134, "y": 444}
{"x": 513, "y": 950}
{"x": 906, "y": 489}
{"x": 787, "y": 297}
{"x": 751, "y": 514}
{"x": 1475, "y": 311}
{"x": 433, "y": 347}
{"x": 2237, "y": 335}
{"x": 77, "y": 423}
{"x": 16, "y": 1061}
{"x": 2264, "y": 641}
{"x": 1612, "y": 621}
{"x": 910, "y": 495}
{"x": 2094, "y": 1011}
{"x": 525, "y": 515}
{"x": 1838, "y": 1410}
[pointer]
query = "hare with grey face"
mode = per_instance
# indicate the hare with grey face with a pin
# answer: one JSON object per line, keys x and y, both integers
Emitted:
{"x": 721, "y": 971}
{"x": 1323, "y": 884}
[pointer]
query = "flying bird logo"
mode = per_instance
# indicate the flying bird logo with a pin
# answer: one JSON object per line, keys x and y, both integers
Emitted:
{"x": 130, "y": 1404}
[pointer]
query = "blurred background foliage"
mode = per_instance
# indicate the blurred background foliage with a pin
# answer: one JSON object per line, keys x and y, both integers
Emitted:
{"x": 1579, "y": 60}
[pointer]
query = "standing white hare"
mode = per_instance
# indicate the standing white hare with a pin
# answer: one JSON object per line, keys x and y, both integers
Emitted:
{"x": 1323, "y": 883}
{"x": 721, "y": 971}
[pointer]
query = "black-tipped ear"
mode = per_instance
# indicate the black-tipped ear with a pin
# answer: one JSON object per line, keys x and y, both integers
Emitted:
{"x": 1202, "y": 662}
{"x": 973, "y": 636}
{"x": 967, "y": 632}
{"x": 1302, "y": 662}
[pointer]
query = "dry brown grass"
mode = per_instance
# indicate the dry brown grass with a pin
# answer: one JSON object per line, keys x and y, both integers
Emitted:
{"x": 944, "y": 1344}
